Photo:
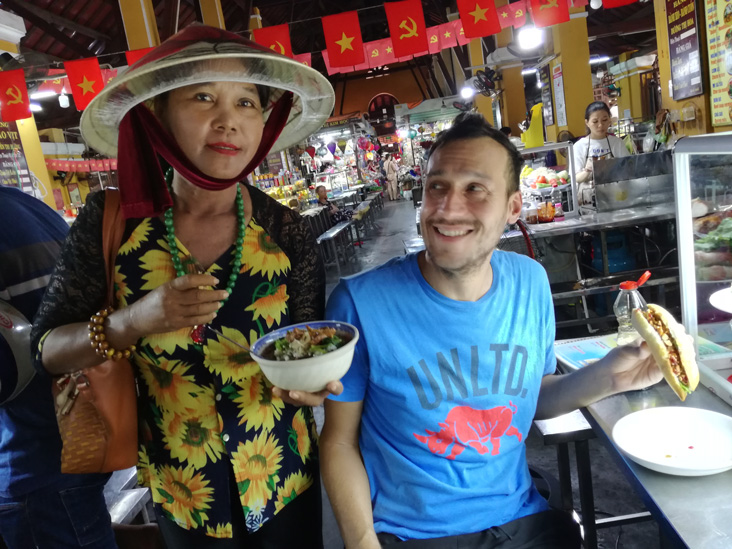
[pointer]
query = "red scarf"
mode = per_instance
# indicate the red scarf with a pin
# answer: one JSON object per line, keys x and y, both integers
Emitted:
{"x": 143, "y": 140}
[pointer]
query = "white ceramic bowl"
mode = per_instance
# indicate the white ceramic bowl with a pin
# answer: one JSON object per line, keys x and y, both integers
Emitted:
{"x": 307, "y": 374}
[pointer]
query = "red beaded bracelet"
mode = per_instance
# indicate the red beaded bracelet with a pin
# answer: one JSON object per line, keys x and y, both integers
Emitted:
{"x": 99, "y": 339}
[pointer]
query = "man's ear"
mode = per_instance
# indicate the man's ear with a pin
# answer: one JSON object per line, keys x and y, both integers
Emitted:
{"x": 515, "y": 202}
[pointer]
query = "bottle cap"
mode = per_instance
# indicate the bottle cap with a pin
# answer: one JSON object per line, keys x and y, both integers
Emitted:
{"x": 629, "y": 285}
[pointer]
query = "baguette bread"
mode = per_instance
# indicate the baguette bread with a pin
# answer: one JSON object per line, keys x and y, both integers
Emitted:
{"x": 671, "y": 346}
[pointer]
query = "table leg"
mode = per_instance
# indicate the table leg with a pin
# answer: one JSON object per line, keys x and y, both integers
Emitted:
{"x": 587, "y": 499}
{"x": 334, "y": 249}
{"x": 565, "y": 476}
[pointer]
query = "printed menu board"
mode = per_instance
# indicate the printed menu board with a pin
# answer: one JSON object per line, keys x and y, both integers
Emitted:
{"x": 13, "y": 165}
{"x": 718, "y": 16}
{"x": 683, "y": 41}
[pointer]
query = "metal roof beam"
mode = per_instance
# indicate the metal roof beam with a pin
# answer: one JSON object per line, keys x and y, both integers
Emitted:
{"x": 62, "y": 21}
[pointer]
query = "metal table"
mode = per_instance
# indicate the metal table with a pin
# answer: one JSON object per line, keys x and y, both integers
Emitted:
{"x": 691, "y": 511}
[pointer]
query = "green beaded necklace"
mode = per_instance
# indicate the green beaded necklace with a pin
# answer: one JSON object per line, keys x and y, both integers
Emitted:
{"x": 175, "y": 253}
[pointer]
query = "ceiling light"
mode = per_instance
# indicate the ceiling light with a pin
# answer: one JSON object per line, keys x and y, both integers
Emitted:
{"x": 598, "y": 60}
{"x": 539, "y": 84}
{"x": 595, "y": 4}
{"x": 63, "y": 101}
{"x": 42, "y": 94}
{"x": 467, "y": 93}
{"x": 530, "y": 38}
{"x": 529, "y": 71}
{"x": 35, "y": 107}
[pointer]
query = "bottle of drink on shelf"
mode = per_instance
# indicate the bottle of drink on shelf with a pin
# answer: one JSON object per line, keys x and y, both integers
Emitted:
{"x": 628, "y": 300}
{"x": 556, "y": 198}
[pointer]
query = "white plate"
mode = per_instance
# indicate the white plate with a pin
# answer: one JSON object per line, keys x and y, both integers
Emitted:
{"x": 722, "y": 300}
{"x": 677, "y": 441}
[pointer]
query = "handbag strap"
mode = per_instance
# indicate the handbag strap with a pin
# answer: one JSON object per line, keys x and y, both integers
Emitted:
{"x": 113, "y": 227}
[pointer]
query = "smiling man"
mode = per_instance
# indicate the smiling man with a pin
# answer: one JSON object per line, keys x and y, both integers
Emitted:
{"x": 425, "y": 446}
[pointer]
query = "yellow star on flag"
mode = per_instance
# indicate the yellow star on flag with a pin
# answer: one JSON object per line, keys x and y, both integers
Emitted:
{"x": 389, "y": 49}
{"x": 479, "y": 14}
{"x": 504, "y": 14}
{"x": 87, "y": 85}
{"x": 447, "y": 34}
{"x": 345, "y": 42}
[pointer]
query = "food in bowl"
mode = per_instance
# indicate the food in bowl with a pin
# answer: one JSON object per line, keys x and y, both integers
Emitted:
{"x": 304, "y": 343}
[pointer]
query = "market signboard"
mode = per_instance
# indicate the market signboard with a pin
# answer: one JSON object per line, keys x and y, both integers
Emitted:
{"x": 13, "y": 165}
{"x": 683, "y": 41}
{"x": 719, "y": 39}
{"x": 546, "y": 95}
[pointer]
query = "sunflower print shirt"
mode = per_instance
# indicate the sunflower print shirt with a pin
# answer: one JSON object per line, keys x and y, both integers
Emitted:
{"x": 206, "y": 411}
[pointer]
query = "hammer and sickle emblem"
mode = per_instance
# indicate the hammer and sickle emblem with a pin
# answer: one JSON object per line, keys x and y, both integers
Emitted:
{"x": 277, "y": 43}
{"x": 550, "y": 4}
{"x": 519, "y": 13}
{"x": 374, "y": 53}
{"x": 433, "y": 39}
{"x": 14, "y": 92}
{"x": 411, "y": 30}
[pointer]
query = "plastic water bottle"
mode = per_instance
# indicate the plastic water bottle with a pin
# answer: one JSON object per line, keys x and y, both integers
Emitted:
{"x": 628, "y": 300}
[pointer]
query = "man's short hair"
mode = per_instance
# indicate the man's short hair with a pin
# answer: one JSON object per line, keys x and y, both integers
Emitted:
{"x": 318, "y": 188}
{"x": 471, "y": 125}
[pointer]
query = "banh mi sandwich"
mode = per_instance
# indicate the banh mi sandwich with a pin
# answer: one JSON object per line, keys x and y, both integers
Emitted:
{"x": 671, "y": 346}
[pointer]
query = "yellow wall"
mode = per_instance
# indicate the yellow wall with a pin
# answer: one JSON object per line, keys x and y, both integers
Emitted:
{"x": 631, "y": 97}
{"x": 483, "y": 104}
{"x": 360, "y": 92}
{"x": 140, "y": 25}
{"x": 34, "y": 157}
{"x": 513, "y": 99}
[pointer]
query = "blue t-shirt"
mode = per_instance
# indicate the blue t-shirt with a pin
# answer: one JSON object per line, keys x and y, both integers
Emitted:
{"x": 31, "y": 235}
{"x": 450, "y": 390}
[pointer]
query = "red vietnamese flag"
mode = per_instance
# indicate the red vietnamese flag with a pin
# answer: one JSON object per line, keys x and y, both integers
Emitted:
{"x": 448, "y": 38}
{"x": 133, "y": 56}
{"x": 479, "y": 17}
{"x": 330, "y": 68}
{"x": 607, "y": 4}
{"x": 14, "y": 102}
{"x": 304, "y": 58}
{"x": 276, "y": 38}
{"x": 546, "y": 13}
{"x": 85, "y": 79}
{"x": 365, "y": 65}
{"x": 406, "y": 27}
{"x": 343, "y": 39}
{"x": 433, "y": 37}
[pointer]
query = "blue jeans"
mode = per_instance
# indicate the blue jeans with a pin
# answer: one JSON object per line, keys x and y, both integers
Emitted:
{"x": 62, "y": 516}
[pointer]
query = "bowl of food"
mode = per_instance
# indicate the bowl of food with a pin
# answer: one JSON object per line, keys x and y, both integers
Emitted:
{"x": 306, "y": 356}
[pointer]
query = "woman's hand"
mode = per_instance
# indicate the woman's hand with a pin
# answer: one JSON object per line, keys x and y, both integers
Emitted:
{"x": 181, "y": 303}
{"x": 301, "y": 398}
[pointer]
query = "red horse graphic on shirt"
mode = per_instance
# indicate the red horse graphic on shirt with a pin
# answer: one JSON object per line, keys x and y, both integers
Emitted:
{"x": 466, "y": 426}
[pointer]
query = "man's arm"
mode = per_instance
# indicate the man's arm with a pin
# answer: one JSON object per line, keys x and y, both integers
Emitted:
{"x": 625, "y": 368}
{"x": 344, "y": 474}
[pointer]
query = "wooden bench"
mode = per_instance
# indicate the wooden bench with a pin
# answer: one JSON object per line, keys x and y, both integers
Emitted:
{"x": 340, "y": 244}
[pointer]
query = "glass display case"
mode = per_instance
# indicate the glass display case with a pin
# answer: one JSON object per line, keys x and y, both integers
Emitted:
{"x": 547, "y": 162}
{"x": 703, "y": 191}
{"x": 335, "y": 182}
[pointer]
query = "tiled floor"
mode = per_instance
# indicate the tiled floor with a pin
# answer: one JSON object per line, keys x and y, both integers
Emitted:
{"x": 613, "y": 495}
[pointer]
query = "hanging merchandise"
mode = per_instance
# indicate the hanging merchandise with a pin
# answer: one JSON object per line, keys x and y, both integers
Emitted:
{"x": 363, "y": 143}
{"x": 322, "y": 151}
{"x": 311, "y": 151}
{"x": 369, "y": 156}
{"x": 349, "y": 147}
{"x": 412, "y": 134}
{"x": 342, "y": 145}
{"x": 331, "y": 147}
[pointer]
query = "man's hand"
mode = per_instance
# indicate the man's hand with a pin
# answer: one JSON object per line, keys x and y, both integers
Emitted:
{"x": 633, "y": 367}
{"x": 302, "y": 398}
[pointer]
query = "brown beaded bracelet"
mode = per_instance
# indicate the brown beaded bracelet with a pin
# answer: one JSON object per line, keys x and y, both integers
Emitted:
{"x": 99, "y": 340}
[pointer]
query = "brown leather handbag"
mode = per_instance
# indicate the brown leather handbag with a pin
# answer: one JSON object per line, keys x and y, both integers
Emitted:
{"x": 96, "y": 408}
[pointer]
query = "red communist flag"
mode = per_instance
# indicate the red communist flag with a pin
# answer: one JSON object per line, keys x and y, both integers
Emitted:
{"x": 448, "y": 38}
{"x": 134, "y": 55}
{"x": 343, "y": 39}
{"x": 607, "y": 4}
{"x": 304, "y": 58}
{"x": 433, "y": 37}
{"x": 406, "y": 27}
{"x": 377, "y": 54}
{"x": 479, "y": 17}
{"x": 14, "y": 102}
{"x": 462, "y": 40}
{"x": 85, "y": 78}
{"x": 519, "y": 13}
{"x": 276, "y": 38}
{"x": 365, "y": 65}
{"x": 546, "y": 13}
{"x": 330, "y": 68}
